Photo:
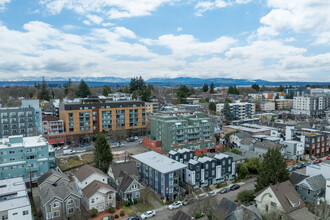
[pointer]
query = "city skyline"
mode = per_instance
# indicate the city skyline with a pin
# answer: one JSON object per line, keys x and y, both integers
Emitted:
{"x": 273, "y": 40}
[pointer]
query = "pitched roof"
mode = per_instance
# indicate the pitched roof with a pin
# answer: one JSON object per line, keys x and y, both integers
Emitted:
{"x": 235, "y": 157}
{"x": 242, "y": 213}
{"x": 267, "y": 145}
{"x": 50, "y": 173}
{"x": 94, "y": 186}
{"x": 227, "y": 206}
{"x": 125, "y": 182}
{"x": 297, "y": 177}
{"x": 85, "y": 171}
{"x": 286, "y": 195}
{"x": 302, "y": 213}
{"x": 242, "y": 134}
{"x": 181, "y": 215}
{"x": 315, "y": 182}
{"x": 247, "y": 140}
{"x": 62, "y": 190}
{"x": 128, "y": 168}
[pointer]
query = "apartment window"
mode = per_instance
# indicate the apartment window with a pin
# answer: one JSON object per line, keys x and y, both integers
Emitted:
{"x": 206, "y": 166}
{"x": 56, "y": 204}
{"x": 11, "y": 152}
{"x": 26, "y": 212}
{"x": 12, "y": 159}
{"x": 70, "y": 210}
{"x": 15, "y": 213}
{"x": 56, "y": 214}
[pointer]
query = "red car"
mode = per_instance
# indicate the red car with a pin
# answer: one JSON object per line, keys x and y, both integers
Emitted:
{"x": 318, "y": 161}
{"x": 328, "y": 157}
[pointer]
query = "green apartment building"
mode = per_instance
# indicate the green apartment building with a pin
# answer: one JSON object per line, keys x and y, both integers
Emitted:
{"x": 194, "y": 131}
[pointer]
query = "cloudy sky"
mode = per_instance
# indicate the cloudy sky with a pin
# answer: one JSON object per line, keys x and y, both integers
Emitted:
{"x": 253, "y": 39}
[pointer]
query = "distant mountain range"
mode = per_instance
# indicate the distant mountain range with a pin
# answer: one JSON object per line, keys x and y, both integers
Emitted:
{"x": 162, "y": 82}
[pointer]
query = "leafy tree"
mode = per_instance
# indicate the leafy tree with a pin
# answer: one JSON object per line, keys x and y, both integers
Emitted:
{"x": 253, "y": 164}
{"x": 205, "y": 88}
{"x": 246, "y": 196}
{"x": 272, "y": 170}
{"x": 212, "y": 106}
{"x": 272, "y": 119}
{"x": 31, "y": 95}
{"x": 226, "y": 111}
{"x": 44, "y": 93}
{"x": 212, "y": 88}
{"x": 106, "y": 91}
{"x": 256, "y": 87}
{"x": 207, "y": 99}
{"x": 83, "y": 90}
{"x": 228, "y": 100}
{"x": 235, "y": 151}
{"x": 280, "y": 88}
{"x": 102, "y": 153}
{"x": 242, "y": 170}
{"x": 289, "y": 96}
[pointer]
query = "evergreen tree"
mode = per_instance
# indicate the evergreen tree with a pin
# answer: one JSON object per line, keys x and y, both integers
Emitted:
{"x": 229, "y": 116}
{"x": 134, "y": 95}
{"x": 44, "y": 93}
{"x": 106, "y": 91}
{"x": 272, "y": 170}
{"x": 212, "y": 88}
{"x": 102, "y": 153}
{"x": 236, "y": 92}
{"x": 280, "y": 88}
{"x": 182, "y": 93}
{"x": 230, "y": 90}
{"x": 83, "y": 90}
{"x": 256, "y": 87}
{"x": 205, "y": 88}
{"x": 67, "y": 87}
{"x": 212, "y": 106}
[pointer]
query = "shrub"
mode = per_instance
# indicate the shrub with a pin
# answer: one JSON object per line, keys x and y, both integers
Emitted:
{"x": 126, "y": 203}
{"x": 94, "y": 212}
{"x": 246, "y": 196}
{"x": 122, "y": 213}
{"x": 116, "y": 216}
{"x": 135, "y": 201}
{"x": 111, "y": 209}
{"x": 199, "y": 215}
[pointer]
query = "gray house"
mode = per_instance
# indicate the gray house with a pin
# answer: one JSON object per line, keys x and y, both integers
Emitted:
{"x": 125, "y": 178}
{"x": 247, "y": 143}
{"x": 236, "y": 138}
{"x": 312, "y": 188}
{"x": 59, "y": 199}
{"x": 261, "y": 147}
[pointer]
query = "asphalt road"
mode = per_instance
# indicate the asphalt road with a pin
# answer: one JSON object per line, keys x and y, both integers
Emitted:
{"x": 164, "y": 214}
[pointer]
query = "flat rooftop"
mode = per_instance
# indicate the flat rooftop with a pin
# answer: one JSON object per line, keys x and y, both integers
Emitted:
{"x": 159, "y": 162}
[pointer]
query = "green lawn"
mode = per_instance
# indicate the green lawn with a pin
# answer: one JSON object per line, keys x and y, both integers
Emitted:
{"x": 129, "y": 210}
{"x": 66, "y": 163}
{"x": 142, "y": 207}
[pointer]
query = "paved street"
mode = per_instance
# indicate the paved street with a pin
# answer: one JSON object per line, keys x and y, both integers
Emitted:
{"x": 164, "y": 214}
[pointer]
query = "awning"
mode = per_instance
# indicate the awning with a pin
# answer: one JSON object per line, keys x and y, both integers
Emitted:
{"x": 56, "y": 142}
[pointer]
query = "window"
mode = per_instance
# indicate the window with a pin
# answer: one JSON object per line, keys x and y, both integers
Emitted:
{"x": 15, "y": 213}
{"x": 70, "y": 201}
{"x": 56, "y": 214}
{"x": 137, "y": 194}
{"x": 56, "y": 204}
{"x": 273, "y": 204}
{"x": 92, "y": 201}
{"x": 70, "y": 210}
{"x": 26, "y": 212}
{"x": 308, "y": 191}
{"x": 5, "y": 217}
{"x": 11, "y": 152}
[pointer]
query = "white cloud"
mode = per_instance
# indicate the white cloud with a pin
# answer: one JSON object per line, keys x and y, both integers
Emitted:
{"x": 299, "y": 16}
{"x": 105, "y": 9}
{"x": 203, "y": 6}
{"x": 179, "y": 29}
{"x": 3, "y": 4}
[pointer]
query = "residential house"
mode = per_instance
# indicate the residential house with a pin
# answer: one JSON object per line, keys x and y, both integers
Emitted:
{"x": 321, "y": 168}
{"x": 181, "y": 215}
{"x": 226, "y": 207}
{"x": 182, "y": 155}
{"x": 160, "y": 173}
{"x": 14, "y": 200}
{"x": 53, "y": 130}
{"x": 245, "y": 213}
{"x": 237, "y": 137}
{"x": 261, "y": 147}
{"x": 293, "y": 150}
{"x": 59, "y": 199}
{"x": 282, "y": 199}
{"x": 312, "y": 189}
{"x": 236, "y": 158}
{"x": 247, "y": 144}
{"x": 92, "y": 183}
{"x": 125, "y": 178}
{"x": 297, "y": 177}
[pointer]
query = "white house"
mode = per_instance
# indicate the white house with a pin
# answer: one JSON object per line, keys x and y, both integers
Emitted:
{"x": 93, "y": 185}
{"x": 293, "y": 150}
{"x": 316, "y": 169}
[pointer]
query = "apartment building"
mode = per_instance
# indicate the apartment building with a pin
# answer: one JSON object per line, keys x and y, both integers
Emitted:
{"x": 160, "y": 173}
{"x": 208, "y": 171}
{"x": 190, "y": 131}
{"x": 21, "y": 155}
{"x": 241, "y": 110}
{"x": 283, "y": 104}
{"x": 267, "y": 106}
{"x": 119, "y": 96}
{"x": 89, "y": 116}
{"x": 311, "y": 105}
{"x": 53, "y": 130}
{"x": 14, "y": 200}
{"x": 317, "y": 144}
{"x": 152, "y": 107}
{"x": 24, "y": 120}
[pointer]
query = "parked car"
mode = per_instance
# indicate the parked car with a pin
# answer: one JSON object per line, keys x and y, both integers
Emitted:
{"x": 106, "y": 218}
{"x": 318, "y": 161}
{"x": 113, "y": 146}
{"x": 187, "y": 201}
{"x": 148, "y": 214}
{"x": 89, "y": 149}
{"x": 202, "y": 195}
{"x": 292, "y": 168}
{"x": 175, "y": 205}
{"x": 328, "y": 157}
{"x": 212, "y": 193}
{"x": 122, "y": 145}
{"x": 300, "y": 166}
{"x": 82, "y": 145}
{"x": 234, "y": 187}
{"x": 133, "y": 218}
{"x": 65, "y": 147}
{"x": 67, "y": 152}
{"x": 224, "y": 190}
{"x": 307, "y": 164}
{"x": 136, "y": 138}
{"x": 57, "y": 148}
{"x": 88, "y": 144}
{"x": 80, "y": 151}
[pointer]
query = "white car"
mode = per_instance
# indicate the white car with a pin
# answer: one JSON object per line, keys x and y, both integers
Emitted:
{"x": 57, "y": 148}
{"x": 136, "y": 138}
{"x": 148, "y": 214}
{"x": 65, "y": 147}
{"x": 212, "y": 193}
{"x": 175, "y": 205}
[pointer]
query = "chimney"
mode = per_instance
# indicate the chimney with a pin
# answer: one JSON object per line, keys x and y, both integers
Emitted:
{"x": 239, "y": 203}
